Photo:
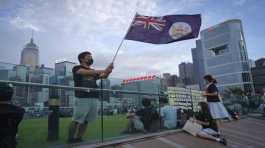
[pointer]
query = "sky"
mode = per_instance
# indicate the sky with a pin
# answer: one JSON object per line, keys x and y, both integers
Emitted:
{"x": 64, "y": 28}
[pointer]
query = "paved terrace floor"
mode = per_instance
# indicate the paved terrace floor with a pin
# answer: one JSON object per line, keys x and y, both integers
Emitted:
{"x": 245, "y": 133}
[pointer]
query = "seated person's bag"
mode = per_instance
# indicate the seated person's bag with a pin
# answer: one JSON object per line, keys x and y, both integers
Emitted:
{"x": 192, "y": 127}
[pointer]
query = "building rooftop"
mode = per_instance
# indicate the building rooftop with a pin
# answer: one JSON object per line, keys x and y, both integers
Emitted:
{"x": 64, "y": 61}
{"x": 221, "y": 24}
{"x": 31, "y": 44}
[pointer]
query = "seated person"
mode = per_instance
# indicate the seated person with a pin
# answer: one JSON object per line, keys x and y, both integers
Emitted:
{"x": 134, "y": 123}
{"x": 145, "y": 119}
{"x": 10, "y": 117}
{"x": 168, "y": 114}
{"x": 209, "y": 127}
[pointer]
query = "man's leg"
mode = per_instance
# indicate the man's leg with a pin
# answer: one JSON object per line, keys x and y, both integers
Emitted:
{"x": 79, "y": 115}
{"x": 88, "y": 109}
{"x": 81, "y": 130}
{"x": 72, "y": 130}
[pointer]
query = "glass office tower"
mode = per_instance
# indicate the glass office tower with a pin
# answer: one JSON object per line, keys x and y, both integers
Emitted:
{"x": 225, "y": 55}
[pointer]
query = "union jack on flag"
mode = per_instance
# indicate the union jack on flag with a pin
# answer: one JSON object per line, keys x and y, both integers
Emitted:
{"x": 147, "y": 21}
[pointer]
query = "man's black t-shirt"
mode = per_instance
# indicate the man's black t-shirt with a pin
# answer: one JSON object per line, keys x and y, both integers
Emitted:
{"x": 212, "y": 89}
{"x": 83, "y": 81}
{"x": 147, "y": 116}
{"x": 10, "y": 117}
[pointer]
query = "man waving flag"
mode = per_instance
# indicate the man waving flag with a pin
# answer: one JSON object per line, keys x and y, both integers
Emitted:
{"x": 164, "y": 29}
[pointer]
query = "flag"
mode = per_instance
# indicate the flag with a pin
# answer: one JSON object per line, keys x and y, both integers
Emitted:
{"x": 164, "y": 29}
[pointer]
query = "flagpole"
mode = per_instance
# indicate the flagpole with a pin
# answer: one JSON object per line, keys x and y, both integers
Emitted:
{"x": 118, "y": 49}
{"x": 123, "y": 39}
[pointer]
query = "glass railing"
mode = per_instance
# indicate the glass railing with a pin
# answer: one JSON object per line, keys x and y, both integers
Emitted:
{"x": 244, "y": 105}
{"x": 49, "y": 110}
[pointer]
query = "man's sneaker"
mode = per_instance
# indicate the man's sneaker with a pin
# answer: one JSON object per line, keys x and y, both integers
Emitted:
{"x": 77, "y": 140}
{"x": 223, "y": 141}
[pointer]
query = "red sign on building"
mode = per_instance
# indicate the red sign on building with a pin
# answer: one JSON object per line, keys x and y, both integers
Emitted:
{"x": 142, "y": 78}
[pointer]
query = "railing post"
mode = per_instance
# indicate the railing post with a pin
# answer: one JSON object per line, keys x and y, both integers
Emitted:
{"x": 159, "y": 109}
{"x": 102, "y": 110}
{"x": 53, "y": 118}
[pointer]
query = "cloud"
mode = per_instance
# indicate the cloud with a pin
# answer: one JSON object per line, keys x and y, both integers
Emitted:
{"x": 5, "y": 4}
{"x": 65, "y": 29}
{"x": 23, "y": 24}
{"x": 239, "y": 2}
{"x": 153, "y": 59}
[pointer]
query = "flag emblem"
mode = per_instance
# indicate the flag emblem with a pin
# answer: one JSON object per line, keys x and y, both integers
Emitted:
{"x": 179, "y": 29}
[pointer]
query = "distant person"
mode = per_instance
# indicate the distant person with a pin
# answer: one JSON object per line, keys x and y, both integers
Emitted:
{"x": 85, "y": 105}
{"x": 209, "y": 129}
{"x": 168, "y": 114}
{"x": 134, "y": 123}
{"x": 216, "y": 107}
{"x": 145, "y": 119}
{"x": 148, "y": 115}
{"x": 10, "y": 117}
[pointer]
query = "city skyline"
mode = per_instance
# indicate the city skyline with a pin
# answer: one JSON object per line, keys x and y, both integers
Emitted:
{"x": 62, "y": 30}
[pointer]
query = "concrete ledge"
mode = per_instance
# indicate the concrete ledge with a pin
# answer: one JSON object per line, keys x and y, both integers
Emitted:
{"x": 124, "y": 140}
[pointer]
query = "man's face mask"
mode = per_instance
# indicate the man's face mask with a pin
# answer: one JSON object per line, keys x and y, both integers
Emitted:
{"x": 89, "y": 62}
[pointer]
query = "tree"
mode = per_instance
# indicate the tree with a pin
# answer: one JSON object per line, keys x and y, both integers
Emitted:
{"x": 235, "y": 95}
{"x": 235, "y": 91}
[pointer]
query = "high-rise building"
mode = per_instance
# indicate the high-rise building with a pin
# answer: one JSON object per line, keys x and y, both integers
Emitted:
{"x": 198, "y": 64}
{"x": 64, "y": 68}
{"x": 169, "y": 80}
{"x": 260, "y": 62}
{"x": 21, "y": 92}
{"x": 6, "y": 74}
{"x": 166, "y": 75}
{"x": 252, "y": 63}
{"x": 30, "y": 54}
{"x": 186, "y": 73}
{"x": 149, "y": 84}
{"x": 224, "y": 55}
{"x": 21, "y": 72}
{"x": 173, "y": 80}
{"x": 64, "y": 76}
{"x": 258, "y": 74}
{"x": 39, "y": 75}
{"x": 7, "y": 71}
{"x": 4, "y": 65}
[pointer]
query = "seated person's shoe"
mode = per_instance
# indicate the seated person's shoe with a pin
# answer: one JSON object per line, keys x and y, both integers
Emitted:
{"x": 223, "y": 141}
{"x": 217, "y": 135}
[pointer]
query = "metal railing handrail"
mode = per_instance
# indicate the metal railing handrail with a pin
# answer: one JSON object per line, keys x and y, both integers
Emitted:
{"x": 29, "y": 84}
